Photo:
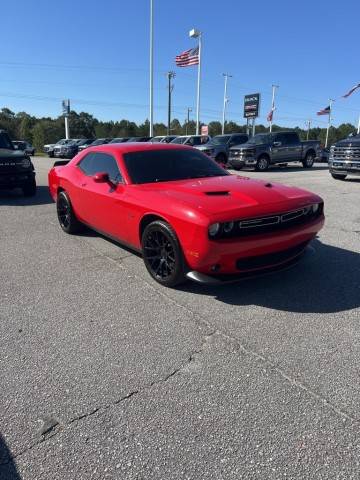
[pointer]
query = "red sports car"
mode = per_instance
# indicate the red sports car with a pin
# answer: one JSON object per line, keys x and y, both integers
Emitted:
{"x": 188, "y": 216}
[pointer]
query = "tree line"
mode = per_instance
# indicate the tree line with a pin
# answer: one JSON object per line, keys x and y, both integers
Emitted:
{"x": 40, "y": 131}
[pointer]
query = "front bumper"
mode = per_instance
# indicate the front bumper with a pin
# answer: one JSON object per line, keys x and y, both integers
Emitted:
{"x": 344, "y": 167}
{"x": 253, "y": 254}
{"x": 14, "y": 180}
{"x": 240, "y": 161}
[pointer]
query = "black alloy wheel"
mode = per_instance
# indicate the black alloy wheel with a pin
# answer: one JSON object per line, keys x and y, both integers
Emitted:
{"x": 66, "y": 216}
{"x": 162, "y": 254}
{"x": 309, "y": 160}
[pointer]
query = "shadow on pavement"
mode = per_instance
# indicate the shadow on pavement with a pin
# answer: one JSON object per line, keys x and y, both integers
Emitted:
{"x": 16, "y": 198}
{"x": 8, "y": 470}
{"x": 326, "y": 280}
{"x": 289, "y": 168}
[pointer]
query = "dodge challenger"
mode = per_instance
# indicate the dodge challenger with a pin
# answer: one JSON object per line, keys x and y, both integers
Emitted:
{"x": 186, "y": 215}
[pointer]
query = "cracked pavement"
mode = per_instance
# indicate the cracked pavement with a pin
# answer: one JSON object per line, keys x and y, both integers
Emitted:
{"x": 106, "y": 375}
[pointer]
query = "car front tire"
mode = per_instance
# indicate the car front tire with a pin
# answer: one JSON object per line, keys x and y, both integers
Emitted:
{"x": 309, "y": 160}
{"x": 262, "y": 164}
{"x": 66, "y": 216}
{"x": 162, "y": 254}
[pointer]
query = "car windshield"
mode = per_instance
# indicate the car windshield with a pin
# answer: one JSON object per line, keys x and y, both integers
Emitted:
{"x": 179, "y": 140}
{"x": 5, "y": 142}
{"x": 157, "y": 139}
{"x": 61, "y": 142}
{"x": 170, "y": 165}
{"x": 259, "y": 139}
{"x": 100, "y": 141}
{"x": 220, "y": 139}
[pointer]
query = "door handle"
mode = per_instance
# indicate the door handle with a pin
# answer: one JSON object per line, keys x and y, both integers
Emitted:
{"x": 83, "y": 184}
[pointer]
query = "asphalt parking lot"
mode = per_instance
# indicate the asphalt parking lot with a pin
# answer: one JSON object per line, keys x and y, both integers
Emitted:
{"x": 106, "y": 375}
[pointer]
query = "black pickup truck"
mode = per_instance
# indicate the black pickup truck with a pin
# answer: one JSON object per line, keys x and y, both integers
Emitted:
{"x": 265, "y": 149}
{"x": 344, "y": 158}
{"x": 16, "y": 168}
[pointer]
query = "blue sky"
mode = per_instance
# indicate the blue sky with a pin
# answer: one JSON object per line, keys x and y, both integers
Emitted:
{"x": 96, "y": 54}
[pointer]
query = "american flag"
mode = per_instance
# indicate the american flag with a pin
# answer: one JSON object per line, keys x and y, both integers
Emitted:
{"x": 352, "y": 90}
{"x": 270, "y": 115}
{"x": 324, "y": 111}
{"x": 188, "y": 58}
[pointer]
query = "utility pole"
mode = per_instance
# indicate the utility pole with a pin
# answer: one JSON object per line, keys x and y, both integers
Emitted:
{"x": 274, "y": 87}
{"x": 226, "y": 76}
{"x": 308, "y": 123}
{"x": 151, "y": 113}
{"x": 170, "y": 75}
{"x": 331, "y": 100}
{"x": 188, "y": 120}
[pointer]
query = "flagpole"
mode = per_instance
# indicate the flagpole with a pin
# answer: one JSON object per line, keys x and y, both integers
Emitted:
{"x": 151, "y": 113}
{"x": 274, "y": 87}
{"x": 226, "y": 76}
{"x": 329, "y": 122}
{"x": 198, "y": 89}
{"x": 194, "y": 33}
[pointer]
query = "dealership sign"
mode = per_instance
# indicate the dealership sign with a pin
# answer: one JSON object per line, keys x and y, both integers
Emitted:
{"x": 205, "y": 130}
{"x": 252, "y": 105}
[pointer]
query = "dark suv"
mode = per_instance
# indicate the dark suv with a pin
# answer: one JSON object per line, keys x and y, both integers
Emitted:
{"x": 16, "y": 168}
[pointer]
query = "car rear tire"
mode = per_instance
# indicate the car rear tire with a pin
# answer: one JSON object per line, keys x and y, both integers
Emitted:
{"x": 29, "y": 190}
{"x": 262, "y": 164}
{"x": 309, "y": 160}
{"x": 338, "y": 176}
{"x": 66, "y": 216}
{"x": 162, "y": 254}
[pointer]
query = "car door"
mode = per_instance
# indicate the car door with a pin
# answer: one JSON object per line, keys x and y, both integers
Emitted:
{"x": 279, "y": 148}
{"x": 294, "y": 147}
{"x": 102, "y": 205}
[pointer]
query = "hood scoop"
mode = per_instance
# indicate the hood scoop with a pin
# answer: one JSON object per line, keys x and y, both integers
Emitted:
{"x": 217, "y": 193}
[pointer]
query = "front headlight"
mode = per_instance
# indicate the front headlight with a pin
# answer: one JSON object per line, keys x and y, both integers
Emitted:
{"x": 228, "y": 226}
{"x": 315, "y": 207}
{"x": 214, "y": 229}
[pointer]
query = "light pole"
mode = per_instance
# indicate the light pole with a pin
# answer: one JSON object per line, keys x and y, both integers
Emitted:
{"x": 226, "y": 76}
{"x": 358, "y": 129}
{"x": 194, "y": 33}
{"x": 151, "y": 113}
{"x": 188, "y": 120}
{"x": 308, "y": 123}
{"x": 170, "y": 75}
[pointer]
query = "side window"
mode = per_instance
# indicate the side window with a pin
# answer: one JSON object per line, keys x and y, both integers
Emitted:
{"x": 96, "y": 162}
{"x": 238, "y": 139}
{"x": 279, "y": 137}
{"x": 292, "y": 138}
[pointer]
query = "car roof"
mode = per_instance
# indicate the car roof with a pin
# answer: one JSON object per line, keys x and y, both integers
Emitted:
{"x": 129, "y": 147}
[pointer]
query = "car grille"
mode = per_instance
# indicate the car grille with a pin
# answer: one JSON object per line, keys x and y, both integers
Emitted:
{"x": 346, "y": 153}
{"x": 262, "y": 261}
{"x": 273, "y": 223}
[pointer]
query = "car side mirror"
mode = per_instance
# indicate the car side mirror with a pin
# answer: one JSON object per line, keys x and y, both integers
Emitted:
{"x": 277, "y": 144}
{"x": 101, "y": 177}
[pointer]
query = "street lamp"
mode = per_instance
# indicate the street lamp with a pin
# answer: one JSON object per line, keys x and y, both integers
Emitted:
{"x": 194, "y": 33}
{"x": 188, "y": 120}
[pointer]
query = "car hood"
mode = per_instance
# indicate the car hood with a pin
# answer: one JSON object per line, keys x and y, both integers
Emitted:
{"x": 231, "y": 195}
{"x": 245, "y": 145}
{"x": 50, "y": 145}
{"x": 349, "y": 142}
{"x": 206, "y": 146}
{"x": 12, "y": 155}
